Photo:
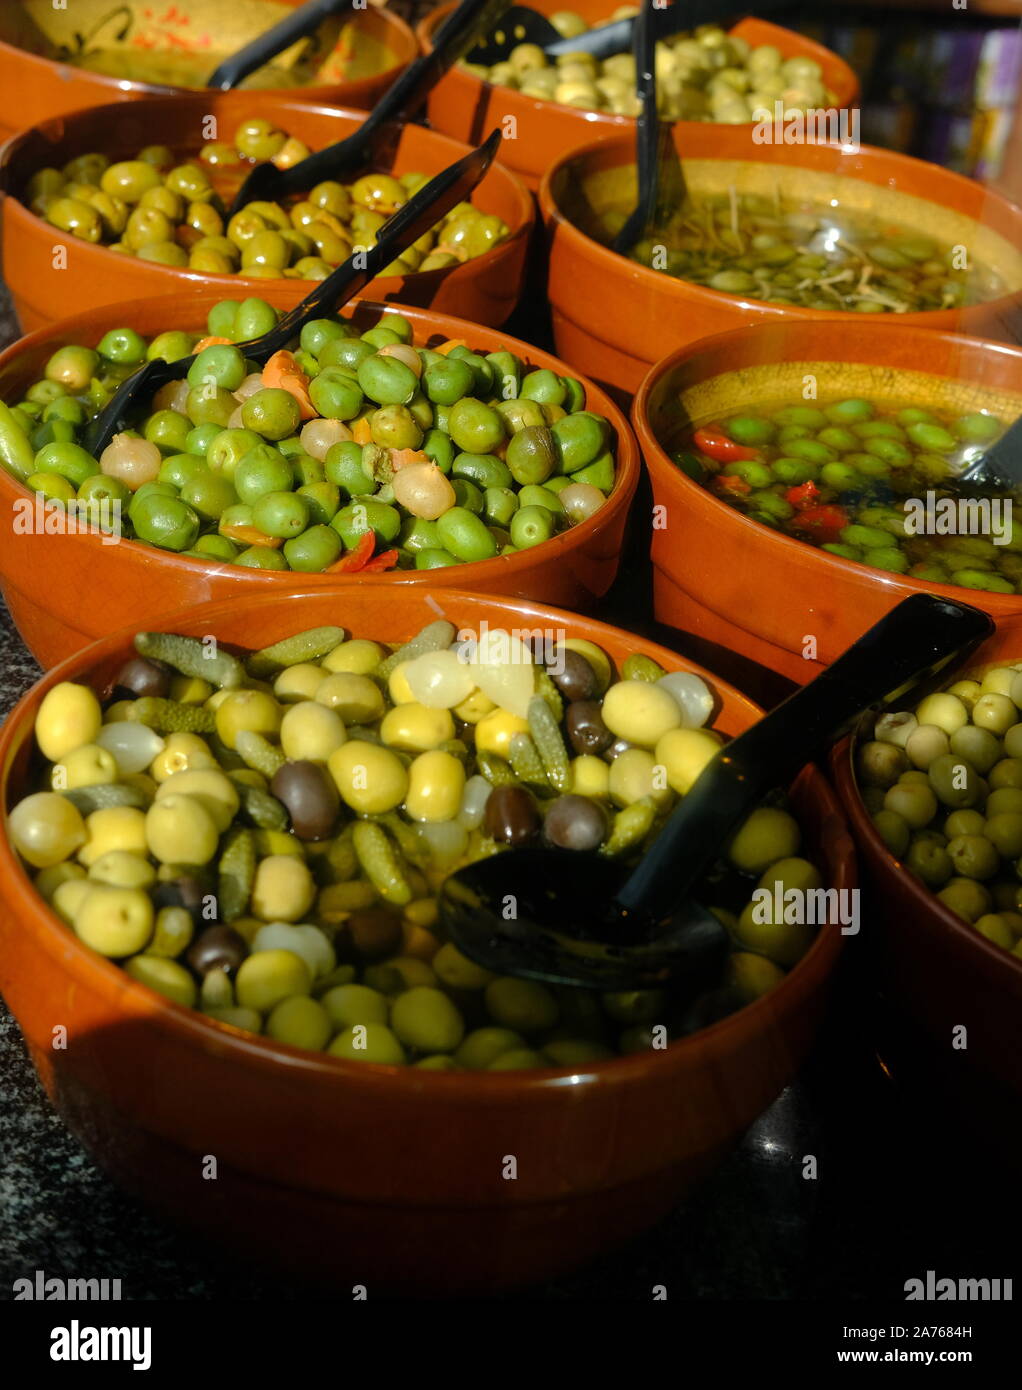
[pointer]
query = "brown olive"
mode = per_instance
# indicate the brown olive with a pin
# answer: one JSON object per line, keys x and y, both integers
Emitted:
{"x": 575, "y": 822}
{"x": 511, "y": 817}
{"x": 218, "y": 948}
{"x": 182, "y": 891}
{"x": 374, "y": 932}
{"x": 311, "y": 798}
{"x": 576, "y": 678}
{"x": 140, "y": 676}
{"x": 587, "y": 732}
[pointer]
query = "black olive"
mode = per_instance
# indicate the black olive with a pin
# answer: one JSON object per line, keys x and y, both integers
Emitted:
{"x": 576, "y": 679}
{"x": 218, "y": 948}
{"x": 185, "y": 892}
{"x": 511, "y": 817}
{"x": 587, "y": 732}
{"x": 575, "y": 822}
{"x": 311, "y": 798}
{"x": 141, "y": 676}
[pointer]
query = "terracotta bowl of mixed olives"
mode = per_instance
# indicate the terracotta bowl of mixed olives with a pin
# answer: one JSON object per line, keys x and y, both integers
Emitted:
{"x": 134, "y": 227}
{"x": 931, "y": 791}
{"x": 767, "y": 233}
{"x": 558, "y": 108}
{"x": 406, "y": 453}
{"x": 808, "y": 482}
{"x": 61, "y": 59}
{"x": 305, "y": 914}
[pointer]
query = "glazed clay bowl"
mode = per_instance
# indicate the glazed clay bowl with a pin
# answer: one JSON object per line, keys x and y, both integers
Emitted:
{"x": 779, "y": 601}
{"x": 36, "y": 88}
{"x": 387, "y": 1174}
{"x": 933, "y": 966}
{"x": 461, "y": 105}
{"x": 64, "y": 591}
{"x": 641, "y": 314}
{"x": 483, "y": 290}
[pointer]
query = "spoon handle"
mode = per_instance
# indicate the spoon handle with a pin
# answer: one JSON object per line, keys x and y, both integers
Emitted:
{"x": 647, "y": 130}
{"x": 607, "y": 39}
{"x": 917, "y": 638}
{"x": 298, "y": 25}
{"x": 1001, "y": 464}
{"x": 453, "y": 39}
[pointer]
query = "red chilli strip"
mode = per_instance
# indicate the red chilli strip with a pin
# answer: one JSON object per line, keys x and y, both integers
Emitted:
{"x": 825, "y": 522}
{"x": 712, "y": 441}
{"x": 356, "y": 559}
{"x": 386, "y": 560}
{"x": 737, "y": 487}
{"x": 804, "y": 495}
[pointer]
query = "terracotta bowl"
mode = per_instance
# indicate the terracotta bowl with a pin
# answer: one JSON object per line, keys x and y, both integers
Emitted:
{"x": 755, "y": 591}
{"x": 483, "y": 290}
{"x": 388, "y": 1174}
{"x": 641, "y": 314}
{"x": 461, "y": 105}
{"x": 36, "y": 88}
{"x": 934, "y": 966}
{"x": 45, "y": 578}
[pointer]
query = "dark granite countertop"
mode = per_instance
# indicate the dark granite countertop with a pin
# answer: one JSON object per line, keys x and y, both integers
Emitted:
{"x": 908, "y": 1179}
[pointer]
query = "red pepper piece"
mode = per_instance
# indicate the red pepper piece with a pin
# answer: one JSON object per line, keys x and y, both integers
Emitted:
{"x": 804, "y": 495}
{"x": 356, "y": 559}
{"x": 712, "y": 441}
{"x": 386, "y": 560}
{"x": 737, "y": 487}
{"x": 824, "y": 523}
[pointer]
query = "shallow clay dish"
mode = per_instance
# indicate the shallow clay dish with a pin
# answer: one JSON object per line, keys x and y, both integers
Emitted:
{"x": 748, "y": 588}
{"x": 483, "y": 290}
{"x": 369, "y": 1174}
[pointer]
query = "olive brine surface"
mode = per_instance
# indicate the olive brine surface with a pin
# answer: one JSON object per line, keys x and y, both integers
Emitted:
{"x": 318, "y": 792}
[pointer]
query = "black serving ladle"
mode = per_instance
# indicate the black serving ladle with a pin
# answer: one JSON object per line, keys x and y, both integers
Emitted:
{"x": 373, "y": 141}
{"x": 658, "y": 168}
{"x": 573, "y": 918}
{"x": 299, "y": 24}
{"x": 1000, "y": 466}
{"x": 419, "y": 214}
{"x": 519, "y": 24}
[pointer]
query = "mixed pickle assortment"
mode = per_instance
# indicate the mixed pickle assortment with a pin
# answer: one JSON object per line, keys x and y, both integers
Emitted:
{"x": 356, "y": 451}
{"x": 262, "y": 836}
{"x": 172, "y": 209}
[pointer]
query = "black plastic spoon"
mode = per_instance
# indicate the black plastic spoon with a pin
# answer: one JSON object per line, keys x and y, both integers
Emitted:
{"x": 418, "y": 215}
{"x": 1000, "y": 466}
{"x": 574, "y": 918}
{"x": 519, "y": 24}
{"x": 299, "y": 24}
{"x": 373, "y": 141}
{"x": 658, "y": 167}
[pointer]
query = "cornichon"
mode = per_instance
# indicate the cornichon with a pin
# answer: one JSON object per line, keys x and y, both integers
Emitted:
{"x": 192, "y": 657}
{"x": 338, "y": 900}
{"x": 259, "y": 753}
{"x": 526, "y": 763}
{"x": 262, "y": 809}
{"x": 381, "y": 862}
{"x": 638, "y": 667}
{"x": 171, "y": 716}
{"x": 334, "y": 861}
{"x": 549, "y": 744}
{"x": 104, "y": 795}
{"x": 630, "y": 828}
{"x": 236, "y": 873}
{"x": 310, "y": 645}
{"x": 496, "y": 771}
{"x": 434, "y": 637}
{"x": 546, "y": 687}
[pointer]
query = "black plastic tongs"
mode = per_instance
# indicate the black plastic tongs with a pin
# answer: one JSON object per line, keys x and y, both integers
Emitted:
{"x": 373, "y": 141}
{"x": 299, "y": 24}
{"x": 519, "y": 24}
{"x": 418, "y": 215}
{"x": 582, "y": 919}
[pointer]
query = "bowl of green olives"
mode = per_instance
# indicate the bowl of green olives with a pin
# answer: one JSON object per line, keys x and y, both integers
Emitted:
{"x": 706, "y": 76}
{"x": 933, "y": 793}
{"x": 270, "y": 938}
{"x": 850, "y": 446}
{"x": 406, "y": 444}
{"x": 58, "y": 59}
{"x": 768, "y": 234}
{"x": 119, "y": 202}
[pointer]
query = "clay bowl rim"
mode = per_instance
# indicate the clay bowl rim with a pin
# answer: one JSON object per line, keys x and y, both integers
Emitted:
{"x": 675, "y": 288}
{"x": 172, "y": 279}
{"x": 192, "y": 1028}
{"x": 628, "y": 457}
{"x": 698, "y": 498}
{"x": 930, "y": 909}
{"x": 610, "y": 120}
{"x": 400, "y": 30}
